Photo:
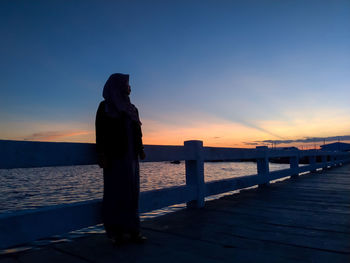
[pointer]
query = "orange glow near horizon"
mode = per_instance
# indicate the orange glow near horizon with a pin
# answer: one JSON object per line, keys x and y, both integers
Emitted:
{"x": 54, "y": 136}
{"x": 212, "y": 131}
{"x": 222, "y": 134}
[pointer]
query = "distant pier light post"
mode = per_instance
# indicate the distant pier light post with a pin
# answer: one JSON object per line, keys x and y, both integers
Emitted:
{"x": 195, "y": 171}
{"x": 263, "y": 166}
{"x": 294, "y": 165}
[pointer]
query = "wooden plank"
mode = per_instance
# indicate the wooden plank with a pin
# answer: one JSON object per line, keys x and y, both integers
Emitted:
{"x": 285, "y": 234}
{"x": 253, "y": 227}
{"x": 257, "y": 210}
{"x": 289, "y": 197}
{"x": 296, "y": 205}
{"x": 237, "y": 249}
{"x": 49, "y": 255}
{"x": 176, "y": 247}
{"x": 8, "y": 259}
{"x": 215, "y": 227}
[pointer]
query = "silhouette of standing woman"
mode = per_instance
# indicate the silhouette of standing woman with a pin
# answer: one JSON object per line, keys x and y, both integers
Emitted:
{"x": 119, "y": 145}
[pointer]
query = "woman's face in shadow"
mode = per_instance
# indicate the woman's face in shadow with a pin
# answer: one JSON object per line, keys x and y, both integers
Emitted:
{"x": 128, "y": 88}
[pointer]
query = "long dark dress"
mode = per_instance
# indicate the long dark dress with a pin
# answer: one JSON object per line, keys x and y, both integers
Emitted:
{"x": 119, "y": 141}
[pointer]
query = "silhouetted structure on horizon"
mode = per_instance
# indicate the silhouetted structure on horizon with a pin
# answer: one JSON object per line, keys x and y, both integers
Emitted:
{"x": 336, "y": 146}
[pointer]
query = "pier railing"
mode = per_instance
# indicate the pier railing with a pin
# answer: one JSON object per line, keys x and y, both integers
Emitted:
{"x": 21, "y": 227}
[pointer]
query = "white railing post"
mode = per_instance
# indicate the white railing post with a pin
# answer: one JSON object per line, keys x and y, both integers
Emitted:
{"x": 312, "y": 162}
{"x": 263, "y": 166}
{"x": 195, "y": 171}
{"x": 324, "y": 162}
{"x": 294, "y": 166}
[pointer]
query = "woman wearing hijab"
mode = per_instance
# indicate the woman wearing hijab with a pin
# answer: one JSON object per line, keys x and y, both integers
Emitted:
{"x": 119, "y": 145}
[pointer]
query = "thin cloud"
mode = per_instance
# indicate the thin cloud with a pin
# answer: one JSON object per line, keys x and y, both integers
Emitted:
{"x": 253, "y": 126}
{"x": 303, "y": 140}
{"x": 252, "y": 143}
{"x": 54, "y": 135}
{"x": 264, "y": 130}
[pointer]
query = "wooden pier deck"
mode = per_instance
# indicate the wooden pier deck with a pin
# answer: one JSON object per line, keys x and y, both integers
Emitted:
{"x": 306, "y": 219}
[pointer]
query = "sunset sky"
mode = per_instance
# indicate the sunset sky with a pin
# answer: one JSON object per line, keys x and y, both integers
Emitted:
{"x": 230, "y": 73}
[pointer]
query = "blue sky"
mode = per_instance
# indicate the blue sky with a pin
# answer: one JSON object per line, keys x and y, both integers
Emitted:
{"x": 226, "y": 72}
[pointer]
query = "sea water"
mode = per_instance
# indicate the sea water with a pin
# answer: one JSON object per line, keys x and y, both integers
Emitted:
{"x": 30, "y": 188}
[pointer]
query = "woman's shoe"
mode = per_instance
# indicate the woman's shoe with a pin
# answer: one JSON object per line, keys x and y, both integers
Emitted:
{"x": 138, "y": 238}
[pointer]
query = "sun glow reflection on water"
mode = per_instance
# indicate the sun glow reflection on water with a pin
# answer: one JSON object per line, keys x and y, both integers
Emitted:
{"x": 35, "y": 187}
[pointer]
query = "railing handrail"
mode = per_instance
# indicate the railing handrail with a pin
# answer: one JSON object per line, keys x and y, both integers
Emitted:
{"x": 27, "y": 154}
{"x": 24, "y": 226}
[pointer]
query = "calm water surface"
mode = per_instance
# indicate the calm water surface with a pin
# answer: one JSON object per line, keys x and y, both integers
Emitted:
{"x": 35, "y": 187}
{"x": 30, "y": 188}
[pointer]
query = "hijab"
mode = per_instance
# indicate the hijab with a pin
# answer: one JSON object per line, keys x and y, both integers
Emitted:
{"x": 115, "y": 93}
